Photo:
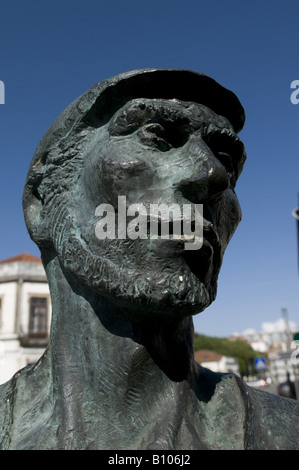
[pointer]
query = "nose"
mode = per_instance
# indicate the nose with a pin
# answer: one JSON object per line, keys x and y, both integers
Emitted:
{"x": 209, "y": 179}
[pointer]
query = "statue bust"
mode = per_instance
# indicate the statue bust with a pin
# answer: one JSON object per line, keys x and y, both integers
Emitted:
{"x": 119, "y": 370}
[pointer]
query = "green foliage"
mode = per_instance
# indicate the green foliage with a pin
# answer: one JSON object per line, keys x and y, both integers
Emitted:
{"x": 238, "y": 349}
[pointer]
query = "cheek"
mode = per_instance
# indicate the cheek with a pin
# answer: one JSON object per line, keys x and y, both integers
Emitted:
{"x": 118, "y": 170}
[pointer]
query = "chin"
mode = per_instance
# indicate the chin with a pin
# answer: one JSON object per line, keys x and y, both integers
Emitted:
{"x": 168, "y": 298}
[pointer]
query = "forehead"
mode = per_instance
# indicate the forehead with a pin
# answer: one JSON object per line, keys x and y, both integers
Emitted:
{"x": 182, "y": 113}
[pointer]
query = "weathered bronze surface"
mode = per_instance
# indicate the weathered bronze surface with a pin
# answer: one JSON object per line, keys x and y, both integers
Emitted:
{"x": 119, "y": 371}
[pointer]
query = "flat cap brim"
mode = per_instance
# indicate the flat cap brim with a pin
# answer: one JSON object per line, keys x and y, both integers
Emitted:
{"x": 101, "y": 101}
{"x": 179, "y": 84}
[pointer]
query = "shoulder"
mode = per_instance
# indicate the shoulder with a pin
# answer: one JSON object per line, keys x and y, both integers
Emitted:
{"x": 6, "y": 410}
{"x": 255, "y": 419}
{"x": 273, "y": 421}
{"x": 20, "y": 398}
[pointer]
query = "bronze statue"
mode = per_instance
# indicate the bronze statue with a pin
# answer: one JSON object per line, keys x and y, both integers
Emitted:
{"x": 119, "y": 371}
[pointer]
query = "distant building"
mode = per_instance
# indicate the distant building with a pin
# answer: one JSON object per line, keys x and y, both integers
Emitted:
{"x": 259, "y": 345}
{"x": 25, "y": 313}
{"x": 281, "y": 366}
{"x": 273, "y": 345}
{"x": 216, "y": 362}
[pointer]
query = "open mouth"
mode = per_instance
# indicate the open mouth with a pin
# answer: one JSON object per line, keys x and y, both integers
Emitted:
{"x": 199, "y": 246}
{"x": 202, "y": 262}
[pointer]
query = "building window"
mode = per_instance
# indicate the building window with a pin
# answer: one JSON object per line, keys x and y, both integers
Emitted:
{"x": 38, "y": 317}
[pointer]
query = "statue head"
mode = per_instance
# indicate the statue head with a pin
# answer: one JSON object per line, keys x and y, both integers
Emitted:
{"x": 151, "y": 137}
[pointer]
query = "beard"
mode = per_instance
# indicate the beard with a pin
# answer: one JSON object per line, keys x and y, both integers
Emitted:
{"x": 142, "y": 277}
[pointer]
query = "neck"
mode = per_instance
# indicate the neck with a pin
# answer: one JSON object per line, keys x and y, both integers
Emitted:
{"x": 105, "y": 361}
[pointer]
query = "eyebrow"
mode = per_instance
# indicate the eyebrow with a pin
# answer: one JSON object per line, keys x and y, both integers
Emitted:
{"x": 212, "y": 130}
{"x": 140, "y": 112}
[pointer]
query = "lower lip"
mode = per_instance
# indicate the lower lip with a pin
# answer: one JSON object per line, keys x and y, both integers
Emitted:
{"x": 172, "y": 247}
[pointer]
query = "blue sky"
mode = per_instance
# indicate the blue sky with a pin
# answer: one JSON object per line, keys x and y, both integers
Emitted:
{"x": 51, "y": 52}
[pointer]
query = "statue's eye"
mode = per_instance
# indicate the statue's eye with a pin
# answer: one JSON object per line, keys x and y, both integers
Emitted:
{"x": 154, "y": 134}
{"x": 164, "y": 137}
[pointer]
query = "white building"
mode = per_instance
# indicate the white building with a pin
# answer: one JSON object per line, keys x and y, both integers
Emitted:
{"x": 25, "y": 313}
{"x": 216, "y": 362}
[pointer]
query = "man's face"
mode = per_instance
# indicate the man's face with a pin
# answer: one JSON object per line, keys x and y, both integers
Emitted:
{"x": 154, "y": 152}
